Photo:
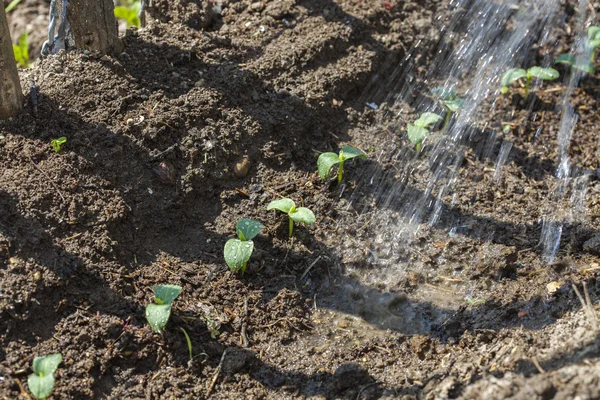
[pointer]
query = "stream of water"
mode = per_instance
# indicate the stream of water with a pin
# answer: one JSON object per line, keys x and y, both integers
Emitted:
{"x": 478, "y": 41}
{"x": 476, "y": 46}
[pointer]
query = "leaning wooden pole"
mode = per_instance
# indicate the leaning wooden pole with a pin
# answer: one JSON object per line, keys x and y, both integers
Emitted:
{"x": 11, "y": 96}
{"x": 94, "y": 26}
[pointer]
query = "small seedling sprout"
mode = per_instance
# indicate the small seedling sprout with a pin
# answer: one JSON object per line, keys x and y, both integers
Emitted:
{"x": 514, "y": 74}
{"x": 21, "y": 51}
{"x": 189, "y": 343}
{"x": 587, "y": 67}
{"x": 57, "y": 143}
{"x": 591, "y": 44}
{"x": 213, "y": 327}
{"x": 300, "y": 214}
{"x": 129, "y": 13}
{"x": 41, "y": 382}
{"x": 158, "y": 313}
{"x": 238, "y": 251}
{"x": 328, "y": 160}
{"x": 450, "y": 101}
{"x": 420, "y": 129}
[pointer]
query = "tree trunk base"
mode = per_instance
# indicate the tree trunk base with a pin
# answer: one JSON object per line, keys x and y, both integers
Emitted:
{"x": 11, "y": 96}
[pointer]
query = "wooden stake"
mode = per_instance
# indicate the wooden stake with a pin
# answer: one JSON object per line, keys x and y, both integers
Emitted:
{"x": 94, "y": 26}
{"x": 11, "y": 96}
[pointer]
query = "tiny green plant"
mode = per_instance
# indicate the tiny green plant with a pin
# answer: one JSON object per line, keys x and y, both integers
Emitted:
{"x": 591, "y": 44}
{"x": 328, "y": 160}
{"x": 300, "y": 214}
{"x": 158, "y": 313}
{"x": 129, "y": 13}
{"x": 514, "y": 74}
{"x": 450, "y": 101}
{"x": 41, "y": 382}
{"x": 189, "y": 343}
{"x": 569, "y": 59}
{"x": 21, "y": 51}
{"x": 57, "y": 143}
{"x": 237, "y": 251}
{"x": 420, "y": 129}
{"x": 213, "y": 327}
{"x": 474, "y": 301}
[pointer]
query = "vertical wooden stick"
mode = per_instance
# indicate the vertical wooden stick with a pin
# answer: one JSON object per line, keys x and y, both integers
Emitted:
{"x": 11, "y": 96}
{"x": 94, "y": 26}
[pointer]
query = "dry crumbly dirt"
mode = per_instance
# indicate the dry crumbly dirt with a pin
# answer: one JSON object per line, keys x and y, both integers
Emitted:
{"x": 145, "y": 192}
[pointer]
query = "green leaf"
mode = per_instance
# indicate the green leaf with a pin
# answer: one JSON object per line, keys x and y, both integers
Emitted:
{"x": 426, "y": 119}
{"x": 165, "y": 294}
{"x": 41, "y": 382}
{"x": 57, "y": 143}
{"x": 17, "y": 53}
{"x": 128, "y": 15}
{"x": 444, "y": 93}
{"x": 547, "y": 74}
{"x": 593, "y": 32}
{"x": 247, "y": 228}
{"x": 351, "y": 152}
{"x": 325, "y": 162}
{"x": 11, "y": 6}
{"x": 24, "y": 46}
{"x": 565, "y": 58}
{"x": 21, "y": 51}
{"x": 416, "y": 134}
{"x": 46, "y": 365}
{"x": 40, "y": 386}
{"x": 454, "y": 105}
{"x": 286, "y": 205}
{"x": 158, "y": 315}
{"x": 593, "y": 44}
{"x": 237, "y": 253}
{"x": 189, "y": 343}
{"x": 512, "y": 75}
{"x": 303, "y": 214}
{"x": 587, "y": 68}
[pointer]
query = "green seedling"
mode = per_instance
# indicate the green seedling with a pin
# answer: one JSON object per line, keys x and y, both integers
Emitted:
{"x": 21, "y": 51}
{"x": 41, "y": 382}
{"x": 420, "y": 129}
{"x": 213, "y": 327}
{"x": 474, "y": 301}
{"x": 238, "y": 251}
{"x": 158, "y": 313}
{"x": 587, "y": 67}
{"x": 328, "y": 160}
{"x": 514, "y": 74}
{"x": 11, "y": 6}
{"x": 591, "y": 44}
{"x": 129, "y": 15}
{"x": 57, "y": 143}
{"x": 300, "y": 214}
{"x": 189, "y": 343}
{"x": 450, "y": 101}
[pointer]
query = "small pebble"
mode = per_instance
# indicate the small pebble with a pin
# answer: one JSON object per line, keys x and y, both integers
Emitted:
{"x": 166, "y": 172}
{"x": 242, "y": 167}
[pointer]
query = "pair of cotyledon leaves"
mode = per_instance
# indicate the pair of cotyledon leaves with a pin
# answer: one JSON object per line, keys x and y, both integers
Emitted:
{"x": 41, "y": 382}
{"x": 158, "y": 313}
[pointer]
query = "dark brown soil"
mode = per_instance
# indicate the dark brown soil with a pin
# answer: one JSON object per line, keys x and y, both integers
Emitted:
{"x": 146, "y": 191}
